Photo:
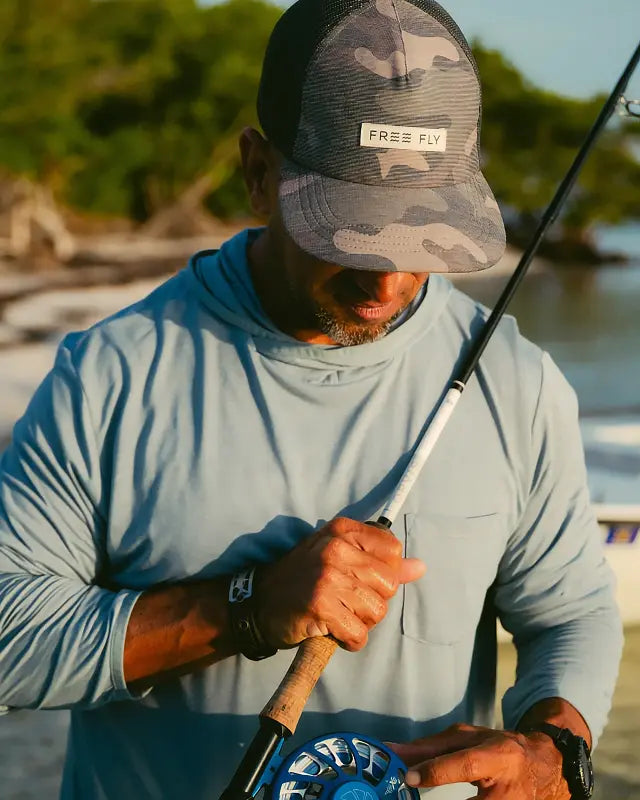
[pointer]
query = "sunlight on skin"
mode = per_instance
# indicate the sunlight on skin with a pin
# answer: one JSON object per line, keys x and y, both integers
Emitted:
{"x": 312, "y": 300}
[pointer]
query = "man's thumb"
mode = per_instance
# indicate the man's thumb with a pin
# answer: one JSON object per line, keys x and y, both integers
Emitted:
{"x": 411, "y": 569}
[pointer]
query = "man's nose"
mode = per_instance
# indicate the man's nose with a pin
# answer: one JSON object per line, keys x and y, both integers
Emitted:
{"x": 381, "y": 287}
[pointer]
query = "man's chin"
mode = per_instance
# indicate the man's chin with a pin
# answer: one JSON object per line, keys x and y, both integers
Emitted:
{"x": 348, "y": 334}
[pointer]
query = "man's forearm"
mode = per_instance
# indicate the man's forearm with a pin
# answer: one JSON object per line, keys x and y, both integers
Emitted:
{"x": 558, "y": 712}
{"x": 577, "y": 660}
{"x": 177, "y": 629}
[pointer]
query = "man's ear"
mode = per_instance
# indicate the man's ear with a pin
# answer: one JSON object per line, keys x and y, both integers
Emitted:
{"x": 260, "y": 172}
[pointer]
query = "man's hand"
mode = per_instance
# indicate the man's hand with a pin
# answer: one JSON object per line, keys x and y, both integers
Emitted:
{"x": 504, "y": 765}
{"x": 336, "y": 582}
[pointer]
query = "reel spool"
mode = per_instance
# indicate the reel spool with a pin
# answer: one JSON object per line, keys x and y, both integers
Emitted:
{"x": 341, "y": 766}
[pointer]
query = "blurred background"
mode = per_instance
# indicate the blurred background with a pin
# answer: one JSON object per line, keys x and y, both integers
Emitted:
{"x": 119, "y": 122}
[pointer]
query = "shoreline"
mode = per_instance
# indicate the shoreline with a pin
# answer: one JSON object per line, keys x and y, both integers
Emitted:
{"x": 37, "y": 309}
{"x": 127, "y": 261}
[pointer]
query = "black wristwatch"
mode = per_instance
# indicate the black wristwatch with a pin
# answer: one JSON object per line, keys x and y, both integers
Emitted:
{"x": 576, "y": 759}
{"x": 242, "y": 617}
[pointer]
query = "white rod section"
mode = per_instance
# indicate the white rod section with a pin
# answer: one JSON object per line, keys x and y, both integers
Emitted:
{"x": 423, "y": 451}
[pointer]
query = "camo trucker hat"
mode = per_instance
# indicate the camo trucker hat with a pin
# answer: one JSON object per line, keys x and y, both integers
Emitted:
{"x": 376, "y": 107}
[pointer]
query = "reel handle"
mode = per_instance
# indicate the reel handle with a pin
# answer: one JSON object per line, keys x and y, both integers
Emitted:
{"x": 288, "y": 701}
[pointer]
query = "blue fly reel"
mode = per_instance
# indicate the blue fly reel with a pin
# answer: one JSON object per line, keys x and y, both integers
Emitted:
{"x": 341, "y": 766}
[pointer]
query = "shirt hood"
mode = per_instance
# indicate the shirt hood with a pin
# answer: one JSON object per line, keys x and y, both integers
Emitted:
{"x": 223, "y": 283}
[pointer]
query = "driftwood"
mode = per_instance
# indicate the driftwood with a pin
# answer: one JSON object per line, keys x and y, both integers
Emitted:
{"x": 31, "y": 218}
{"x": 29, "y": 215}
{"x": 186, "y": 217}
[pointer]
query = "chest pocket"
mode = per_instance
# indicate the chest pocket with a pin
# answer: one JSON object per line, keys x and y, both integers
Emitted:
{"x": 462, "y": 555}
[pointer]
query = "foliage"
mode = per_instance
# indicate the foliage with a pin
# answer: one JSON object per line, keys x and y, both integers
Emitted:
{"x": 530, "y": 138}
{"x": 120, "y": 105}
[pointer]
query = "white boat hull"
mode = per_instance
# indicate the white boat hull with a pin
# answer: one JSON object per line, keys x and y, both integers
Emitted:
{"x": 620, "y": 525}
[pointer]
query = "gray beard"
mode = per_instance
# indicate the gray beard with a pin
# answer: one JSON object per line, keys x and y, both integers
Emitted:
{"x": 349, "y": 335}
{"x": 343, "y": 334}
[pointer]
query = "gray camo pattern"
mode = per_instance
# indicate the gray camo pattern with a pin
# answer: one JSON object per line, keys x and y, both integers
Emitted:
{"x": 388, "y": 209}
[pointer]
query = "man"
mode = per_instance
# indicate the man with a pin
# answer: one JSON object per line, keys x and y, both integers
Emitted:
{"x": 258, "y": 408}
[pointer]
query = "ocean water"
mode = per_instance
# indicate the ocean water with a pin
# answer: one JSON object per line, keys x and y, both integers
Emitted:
{"x": 621, "y": 238}
{"x": 587, "y": 319}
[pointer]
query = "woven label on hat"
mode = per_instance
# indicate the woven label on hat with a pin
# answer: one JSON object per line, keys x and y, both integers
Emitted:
{"x": 403, "y": 138}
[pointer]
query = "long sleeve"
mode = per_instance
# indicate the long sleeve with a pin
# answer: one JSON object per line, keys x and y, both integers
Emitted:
{"x": 555, "y": 590}
{"x": 61, "y": 635}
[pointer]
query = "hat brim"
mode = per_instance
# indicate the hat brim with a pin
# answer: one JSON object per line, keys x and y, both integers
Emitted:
{"x": 455, "y": 228}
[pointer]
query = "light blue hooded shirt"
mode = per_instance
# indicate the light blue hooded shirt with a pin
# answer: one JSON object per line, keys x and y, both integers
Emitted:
{"x": 187, "y": 437}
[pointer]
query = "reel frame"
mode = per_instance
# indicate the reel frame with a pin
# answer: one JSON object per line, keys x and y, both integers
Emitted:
{"x": 338, "y": 766}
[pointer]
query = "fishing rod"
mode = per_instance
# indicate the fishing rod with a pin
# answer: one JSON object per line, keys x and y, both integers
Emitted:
{"x": 323, "y": 767}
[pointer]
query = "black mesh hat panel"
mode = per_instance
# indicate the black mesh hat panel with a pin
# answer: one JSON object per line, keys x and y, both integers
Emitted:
{"x": 291, "y": 46}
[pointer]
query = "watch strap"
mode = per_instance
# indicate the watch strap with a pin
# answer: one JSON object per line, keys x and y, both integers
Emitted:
{"x": 241, "y": 585}
{"x": 546, "y": 727}
{"x": 243, "y": 617}
{"x": 565, "y": 740}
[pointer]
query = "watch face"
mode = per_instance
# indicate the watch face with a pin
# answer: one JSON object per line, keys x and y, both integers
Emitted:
{"x": 585, "y": 768}
{"x": 580, "y": 777}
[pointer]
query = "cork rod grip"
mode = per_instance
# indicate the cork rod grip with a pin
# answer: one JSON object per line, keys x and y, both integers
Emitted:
{"x": 291, "y": 696}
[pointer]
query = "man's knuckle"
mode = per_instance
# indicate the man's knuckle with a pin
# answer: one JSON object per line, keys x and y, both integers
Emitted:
{"x": 520, "y": 740}
{"x": 518, "y": 754}
{"x": 389, "y": 583}
{"x": 324, "y": 589}
{"x": 355, "y": 636}
{"x": 461, "y": 727}
{"x": 340, "y": 525}
{"x": 430, "y": 773}
{"x": 335, "y": 550}
{"x": 470, "y": 762}
{"x": 372, "y": 615}
{"x": 360, "y": 638}
{"x": 328, "y": 579}
{"x": 512, "y": 744}
{"x": 380, "y": 610}
{"x": 395, "y": 546}
{"x": 316, "y": 602}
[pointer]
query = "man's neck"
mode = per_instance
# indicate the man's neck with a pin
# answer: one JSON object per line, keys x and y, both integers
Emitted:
{"x": 273, "y": 295}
